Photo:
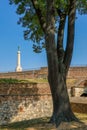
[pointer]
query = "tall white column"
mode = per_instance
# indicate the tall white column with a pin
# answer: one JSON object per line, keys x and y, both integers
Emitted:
{"x": 18, "y": 68}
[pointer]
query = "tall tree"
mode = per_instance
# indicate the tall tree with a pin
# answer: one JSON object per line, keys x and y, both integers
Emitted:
{"x": 40, "y": 18}
{"x": 59, "y": 61}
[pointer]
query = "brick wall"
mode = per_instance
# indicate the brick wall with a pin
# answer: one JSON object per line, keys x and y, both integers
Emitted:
{"x": 74, "y": 72}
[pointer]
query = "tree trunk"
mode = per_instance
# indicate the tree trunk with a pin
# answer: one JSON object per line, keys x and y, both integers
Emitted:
{"x": 61, "y": 105}
{"x": 57, "y": 79}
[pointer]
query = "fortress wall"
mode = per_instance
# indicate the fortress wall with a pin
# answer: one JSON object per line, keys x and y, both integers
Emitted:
{"x": 41, "y": 73}
{"x": 19, "y": 75}
{"x": 74, "y": 72}
{"x": 25, "y": 101}
{"x": 77, "y": 72}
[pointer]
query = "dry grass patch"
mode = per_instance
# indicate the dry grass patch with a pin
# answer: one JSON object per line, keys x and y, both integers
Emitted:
{"x": 82, "y": 117}
{"x": 37, "y": 80}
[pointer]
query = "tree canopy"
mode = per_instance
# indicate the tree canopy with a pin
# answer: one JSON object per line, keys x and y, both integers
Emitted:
{"x": 34, "y": 26}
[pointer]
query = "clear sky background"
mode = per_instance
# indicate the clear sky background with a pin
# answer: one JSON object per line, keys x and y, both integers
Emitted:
{"x": 11, "y": 36}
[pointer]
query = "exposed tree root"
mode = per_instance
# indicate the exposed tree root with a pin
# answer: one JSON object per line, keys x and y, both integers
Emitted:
{"x": 63, "y": 117}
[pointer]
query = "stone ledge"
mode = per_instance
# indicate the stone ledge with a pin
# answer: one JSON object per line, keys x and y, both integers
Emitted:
{"x": 79, "y": 100}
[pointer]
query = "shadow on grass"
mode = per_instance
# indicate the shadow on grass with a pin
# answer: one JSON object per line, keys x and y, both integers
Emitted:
{"x": 42, "y": 124}
{"x": 33, "y": 124}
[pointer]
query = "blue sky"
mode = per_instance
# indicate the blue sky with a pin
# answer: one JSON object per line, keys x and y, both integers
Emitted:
{"x": 11, "y": 36}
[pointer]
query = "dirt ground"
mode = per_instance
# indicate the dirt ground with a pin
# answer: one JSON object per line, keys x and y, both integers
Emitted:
{"x": 62, "y": 126}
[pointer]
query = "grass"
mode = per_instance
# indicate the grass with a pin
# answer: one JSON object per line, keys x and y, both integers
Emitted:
{"x": 25, "y": 125}
{"x": 33, "y": 80}
{"x": 38, "y": 124}
{"x": 10, "y": 80}
{"x": 82, "y": 117}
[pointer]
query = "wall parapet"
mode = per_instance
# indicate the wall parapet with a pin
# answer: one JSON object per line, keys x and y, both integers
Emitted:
{"x": 74, "y": 72}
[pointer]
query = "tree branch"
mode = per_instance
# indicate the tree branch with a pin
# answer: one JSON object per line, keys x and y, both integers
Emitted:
{"x": 70, "y": 36}
{"x": 40, "y": 16}
{"x": 60, "y": 49}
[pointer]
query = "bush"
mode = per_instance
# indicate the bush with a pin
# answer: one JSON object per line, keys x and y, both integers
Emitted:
{"x": 9, "y": 80}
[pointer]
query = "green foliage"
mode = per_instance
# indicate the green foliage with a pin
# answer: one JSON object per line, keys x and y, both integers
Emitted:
{"x": 31, "y": 81}
{"x": 62, "y": 4}
{"x": 30, "y": 21}
{"x": 82, "y": 6}
{"x": 9, "y": 80}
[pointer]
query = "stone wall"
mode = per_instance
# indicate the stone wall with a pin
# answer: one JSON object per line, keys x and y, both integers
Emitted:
{"x": 77, "y": 72}
{"x": 40, "y": 73}
{"x": 74, "y": 72}
{"x": 79, "y": 104}
{"x": 77, "y": 91}
{"x": 24, "y": 101}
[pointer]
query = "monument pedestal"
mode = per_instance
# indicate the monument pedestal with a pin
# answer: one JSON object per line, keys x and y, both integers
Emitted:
{"x": 18, "y": 69}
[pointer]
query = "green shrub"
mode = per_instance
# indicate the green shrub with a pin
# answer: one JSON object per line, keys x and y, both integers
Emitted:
{"x": 9, "y": 80}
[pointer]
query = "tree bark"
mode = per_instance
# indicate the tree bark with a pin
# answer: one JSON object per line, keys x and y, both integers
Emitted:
{"x": 71, "y": 34}
{"x": 57, "y": 79}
